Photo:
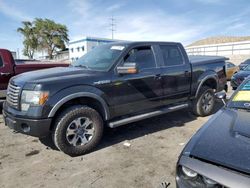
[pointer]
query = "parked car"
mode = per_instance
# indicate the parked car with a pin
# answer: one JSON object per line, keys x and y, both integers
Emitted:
{"x": 244, "y": 64}
{"x": 112, "y": 85}
{"x": 239, "y": 77}
{"x": 218, "y": 154}
{"x": 231, "y": 69}
{"x": 8, "y": 68}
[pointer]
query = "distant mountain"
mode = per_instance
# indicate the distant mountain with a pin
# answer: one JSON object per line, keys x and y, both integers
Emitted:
{"x": 219, "y": 39}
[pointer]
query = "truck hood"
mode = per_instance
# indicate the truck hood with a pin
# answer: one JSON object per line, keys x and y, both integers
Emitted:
{"x": 52, "y": 74}
{"x": 224, "y": 140}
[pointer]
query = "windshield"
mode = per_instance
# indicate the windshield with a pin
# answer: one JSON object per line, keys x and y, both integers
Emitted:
{"x": 241, "y": 98}
{"x": 100, "y": 58}
{"x": 247, "y": 68}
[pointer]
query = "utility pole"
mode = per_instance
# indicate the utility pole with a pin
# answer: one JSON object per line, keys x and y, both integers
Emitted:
{"x": 112, "y": 26}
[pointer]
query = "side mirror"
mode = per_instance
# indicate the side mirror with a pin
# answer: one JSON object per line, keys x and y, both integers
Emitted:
{"x": 222, "y": 96}
{"x": 127, "y": 68}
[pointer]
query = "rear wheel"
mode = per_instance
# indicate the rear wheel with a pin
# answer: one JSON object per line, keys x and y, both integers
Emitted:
{"x": 78, "y": 130}
{"x": 204, "y": 104}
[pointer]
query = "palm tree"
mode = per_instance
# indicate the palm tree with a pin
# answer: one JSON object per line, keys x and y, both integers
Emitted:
{"x": 30, "y": 38}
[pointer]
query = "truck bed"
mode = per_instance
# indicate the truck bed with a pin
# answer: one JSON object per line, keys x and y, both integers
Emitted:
{"x": 196, "y": 59}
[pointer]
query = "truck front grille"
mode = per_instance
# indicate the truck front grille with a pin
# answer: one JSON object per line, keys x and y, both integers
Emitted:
{"x": 13, "y": 95}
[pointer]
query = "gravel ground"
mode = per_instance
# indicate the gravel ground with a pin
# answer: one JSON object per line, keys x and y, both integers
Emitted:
{"x": 150, "y": 159}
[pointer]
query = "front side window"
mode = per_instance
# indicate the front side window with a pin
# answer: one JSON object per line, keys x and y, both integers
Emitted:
{"x": 247, "y": 68}
{"x": 100, "y": 58}
{"x": 142, "y": 56}
{"x": 171, "y": 55}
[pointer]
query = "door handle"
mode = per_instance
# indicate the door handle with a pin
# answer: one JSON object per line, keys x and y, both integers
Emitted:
{"x": 4, "y": 73}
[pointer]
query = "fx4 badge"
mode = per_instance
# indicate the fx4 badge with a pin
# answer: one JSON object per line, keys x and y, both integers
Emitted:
{"x": 102, "y": 82}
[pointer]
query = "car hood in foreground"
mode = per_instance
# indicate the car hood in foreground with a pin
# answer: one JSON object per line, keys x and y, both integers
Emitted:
{"x": 242, "y": 74}
{"x": 224, "y": 140}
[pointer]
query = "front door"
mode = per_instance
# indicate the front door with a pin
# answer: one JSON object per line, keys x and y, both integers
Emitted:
{"x": 140, "y": 91}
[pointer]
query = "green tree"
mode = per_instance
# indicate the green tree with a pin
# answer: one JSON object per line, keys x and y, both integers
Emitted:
{"x": 30, "y": 38}
{"x": 51, "y": 36}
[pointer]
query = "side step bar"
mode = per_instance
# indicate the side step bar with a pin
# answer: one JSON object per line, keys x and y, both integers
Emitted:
{"x": 147, "y": 115}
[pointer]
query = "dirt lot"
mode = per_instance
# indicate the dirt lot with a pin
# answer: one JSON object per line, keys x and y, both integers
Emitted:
{"x": 155, "y": 146}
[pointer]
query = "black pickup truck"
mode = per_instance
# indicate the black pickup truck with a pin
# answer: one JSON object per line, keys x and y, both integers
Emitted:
{"x": 112, "y": 85}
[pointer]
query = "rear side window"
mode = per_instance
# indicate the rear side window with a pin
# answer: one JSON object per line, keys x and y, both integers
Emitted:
{"x": 171, "y": 55}
{"x": 142, "y": 56}
{"x": 1, "y": 61}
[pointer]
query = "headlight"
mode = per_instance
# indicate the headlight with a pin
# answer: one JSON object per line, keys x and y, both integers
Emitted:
{"x": 33, "y": 98}
{"x": 194, "y": 179}
{"x": 188, "y": 172}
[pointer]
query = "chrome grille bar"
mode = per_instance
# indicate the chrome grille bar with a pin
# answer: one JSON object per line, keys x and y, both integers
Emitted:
{"x": 12, "y": 95}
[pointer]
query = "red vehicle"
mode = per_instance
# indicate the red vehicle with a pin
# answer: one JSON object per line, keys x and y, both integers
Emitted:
{"x": 9, "y": 68}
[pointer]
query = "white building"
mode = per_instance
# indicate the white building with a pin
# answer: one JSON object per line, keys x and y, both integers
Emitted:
{"x": 78, "y": 48}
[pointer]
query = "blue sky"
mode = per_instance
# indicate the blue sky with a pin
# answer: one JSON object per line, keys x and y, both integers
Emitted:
{"x": 165, "y": 20}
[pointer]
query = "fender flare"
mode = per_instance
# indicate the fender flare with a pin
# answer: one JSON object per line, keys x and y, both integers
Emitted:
{"x": 214, "y": 77}
{"x": 77, "y": 95}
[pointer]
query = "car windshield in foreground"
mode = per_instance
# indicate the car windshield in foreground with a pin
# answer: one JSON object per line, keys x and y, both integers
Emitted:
{"x": 241, "y": 99}
{"x": 247, "y": 68}
{"x": 100, "y": 58}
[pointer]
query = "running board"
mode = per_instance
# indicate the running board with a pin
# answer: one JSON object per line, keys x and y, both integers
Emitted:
{"x": 118, "y": 123}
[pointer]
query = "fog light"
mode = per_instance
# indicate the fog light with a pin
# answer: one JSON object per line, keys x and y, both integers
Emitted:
{"x": 25, "y": 127}
{"x": 188, "y": 172}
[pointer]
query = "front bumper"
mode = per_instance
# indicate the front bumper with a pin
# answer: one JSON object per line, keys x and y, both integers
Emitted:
{"x": 32, "y": 127}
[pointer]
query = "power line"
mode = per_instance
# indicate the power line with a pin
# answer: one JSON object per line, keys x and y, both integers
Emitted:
{"x": 112, "y": 26}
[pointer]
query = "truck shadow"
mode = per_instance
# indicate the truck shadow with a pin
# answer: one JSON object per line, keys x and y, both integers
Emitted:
{"x": 148, "y": 126}
{"x": 140, "y": 128}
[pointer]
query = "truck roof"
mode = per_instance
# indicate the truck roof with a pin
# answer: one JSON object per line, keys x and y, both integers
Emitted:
{"x": 144, "y": 43}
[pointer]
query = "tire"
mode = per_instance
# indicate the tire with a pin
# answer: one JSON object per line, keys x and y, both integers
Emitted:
{"x": 204, "y": 104}
{"x": 77, "y": 130}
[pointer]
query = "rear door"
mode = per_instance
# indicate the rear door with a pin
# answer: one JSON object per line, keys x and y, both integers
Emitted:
{"x": 5, "y": 75}
{"x": 176, "y": 74}
{"x": 141, "y": 91}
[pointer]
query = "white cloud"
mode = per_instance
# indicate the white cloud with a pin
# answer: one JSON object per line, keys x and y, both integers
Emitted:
{"x": 217, "y": 2}
{"x": 13, "y": 12}
{"x": 160, "y": 27}
{"x": 115, "y": 7}
{"x": 82, "y": 8}
{"x": 141, "y": 25}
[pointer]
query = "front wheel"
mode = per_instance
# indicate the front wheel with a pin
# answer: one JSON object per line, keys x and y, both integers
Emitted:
{"x": 78, "y": 130}
{"x": 204, "y": 104}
